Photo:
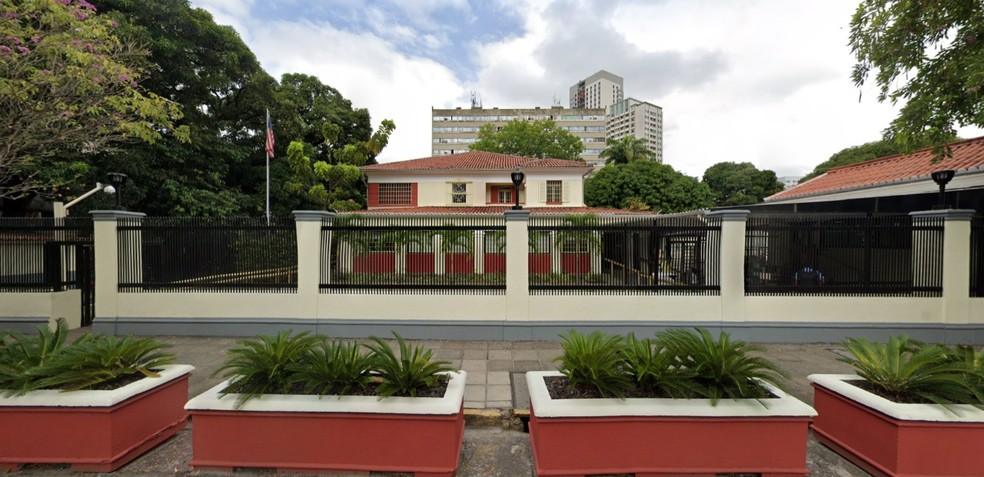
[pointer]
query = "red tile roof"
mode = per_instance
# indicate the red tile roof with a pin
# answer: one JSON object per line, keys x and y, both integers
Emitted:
{"x": 475, "y": 161}
{"x": 967, "y": 155}
{"x": 489, "y": 210}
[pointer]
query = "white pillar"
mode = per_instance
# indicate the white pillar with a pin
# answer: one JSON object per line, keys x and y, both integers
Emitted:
{"x": 732, "y": 262}
{"x": 517, "y": 266}
{"x": 309, "y": 260}
{"x": 106, "y": 258}
{"x": 479, "y": 252}
{"x": 955, "y": 261}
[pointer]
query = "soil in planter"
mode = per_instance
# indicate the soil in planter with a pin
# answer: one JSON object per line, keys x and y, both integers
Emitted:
{"x": 110, "y": 385}
{"x": 437, "y": 391}
{"x": 559, "y": 388}
{"x": 901, "y": 398}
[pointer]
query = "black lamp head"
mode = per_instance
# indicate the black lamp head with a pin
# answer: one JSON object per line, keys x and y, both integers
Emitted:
{"x": 517, "y": 177}
{"x": 117, "y": 179}
{"x": 943, "y": 177}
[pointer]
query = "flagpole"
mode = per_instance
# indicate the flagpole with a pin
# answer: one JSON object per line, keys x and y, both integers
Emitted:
{"x": 269, "y": 151}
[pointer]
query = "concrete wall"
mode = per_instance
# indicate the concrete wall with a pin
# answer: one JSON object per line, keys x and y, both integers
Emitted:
{"x": 24, "y": 312}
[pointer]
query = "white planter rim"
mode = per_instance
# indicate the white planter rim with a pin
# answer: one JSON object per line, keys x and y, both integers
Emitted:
{"x": 450, "y": 404}
{"x": 545, "y": 406}
{"x": 95, "y": 398}
{"x": 838, "y": 383}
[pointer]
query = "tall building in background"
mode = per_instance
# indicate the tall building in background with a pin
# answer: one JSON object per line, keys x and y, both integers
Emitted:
{"x": 599, "y": 90}
{"x": 454, "y": 130}
{"x": 631, "y": 117}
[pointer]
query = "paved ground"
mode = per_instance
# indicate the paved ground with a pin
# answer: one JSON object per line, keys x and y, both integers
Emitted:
{"x": 494, "y": 442}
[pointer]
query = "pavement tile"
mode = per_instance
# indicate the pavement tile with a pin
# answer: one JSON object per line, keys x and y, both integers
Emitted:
{"x": 449, "y": 353}
{"x": 477, "y": 377}
{"x": 527, "y": 365}
{"x": 495, "y": 392}
{"x": 498, "y": 377}
{"x": 500, "y": 364}
{"x": 499, "y": 404}
{"x": 482, "y": 345}
{"x": 501, "y": 354}
{"x": 524, "y": 345}
{"x": 476, "y": 354}
{"x": 525, "y": 354}
{"x": 474, "y": 392}
{"x": 500, "y": 344}
{"x": 454, "y": 344}
{"x": 474, "y": 364}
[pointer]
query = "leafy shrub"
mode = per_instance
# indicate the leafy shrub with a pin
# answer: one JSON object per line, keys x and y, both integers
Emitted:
{"x": 262, "y": 365}
{"x": 21, "y": 355}
{"x": 651, "y": 368}
{"x": 594, "y": 361}
{"x": 334, "y": 367}
{"x": 906, "y": 370}
{"x": 94, "y": 360}
{"x": 408, "y": 373}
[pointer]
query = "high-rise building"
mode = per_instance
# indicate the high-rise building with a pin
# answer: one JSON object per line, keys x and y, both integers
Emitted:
{"x": 637, "y": 118}
{"x": 454, "y": 130}
{"x": 599, "y": 90}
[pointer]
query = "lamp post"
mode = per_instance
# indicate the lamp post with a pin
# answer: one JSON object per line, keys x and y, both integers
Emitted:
{"x": 61, "y": 210}
{"x": 118, "y": 179}
{"x": 941, "y": 178}
{"x": 517, "y": 177}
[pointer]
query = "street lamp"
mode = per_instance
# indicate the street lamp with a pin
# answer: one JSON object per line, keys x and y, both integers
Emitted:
{"x": 118, "y": 179}
{"x": 517, "y": 177}
{"x": 61, "y": 211}
{"x": 941, "y": 178}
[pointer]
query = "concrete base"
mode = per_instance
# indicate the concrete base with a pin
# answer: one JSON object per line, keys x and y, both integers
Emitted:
{"x": 762, "y": 332}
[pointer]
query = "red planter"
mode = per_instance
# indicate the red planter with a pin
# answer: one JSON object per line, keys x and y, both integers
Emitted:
{"x": 495, "y": 263}
{"x": 540, "y": 263}
{"x": 94, "y": 431}
{"x": 892, "y": 439}
{"x": 336, "y": 434}
{"x": 666, "y": 436}
{"x": 459, "y": 263}
{"x": 420, "y": 262}
{"x": 374, "y": 262}
{"x": 577, "y": 263}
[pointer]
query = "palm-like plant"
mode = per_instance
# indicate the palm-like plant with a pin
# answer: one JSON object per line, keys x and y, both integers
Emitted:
{"x": 595, "y": 362}
{"x": 625, "y": 150}
{"x": 97, "y": 359}
{"x": 579, "y": 232}
{"x": 407, "y": 374}
{"x": 722, "y": 368}
{"x": 335, "y": 367}
{"x": 906, "y": 370}
{"x": 651, "y": 368}
{"x": 262, "y": 365}
{"x": 454, "y": 240}
{"x": 21, "y": 355}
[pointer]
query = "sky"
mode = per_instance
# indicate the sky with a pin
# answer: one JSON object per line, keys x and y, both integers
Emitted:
{"x": 760, "y": 81}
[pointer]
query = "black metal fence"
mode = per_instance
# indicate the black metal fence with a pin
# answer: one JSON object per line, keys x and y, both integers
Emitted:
{"x": 645, "y": 254}
{"x": 977, "y": 256}
{"x": 446, "y": 254}
{"x": 45, "y": 254}
{"x": 838, "y": 255}
{"x": 169, "y": 254}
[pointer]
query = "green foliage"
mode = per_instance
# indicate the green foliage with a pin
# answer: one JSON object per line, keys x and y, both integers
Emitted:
{"x": 262, "y": 365}
{"x": 722, "y": 368}
{"x": 404, "y": 375}
{"x": 581, "y": 236}
{"x": 626, "y": 150}
{"x": 21, "y": 355}
{"x": 927, "y": 56}
{"x": 656, "y": 185}
{"x": 331, "y": 367}
{"x": 329, "y": 186}
{"x": 740, "y": 184}
{"x": 455, "y": 240}
{"x": 907, "y": 370}
{"x": 542, "y": 139}
{"x": 97, "y": 359}
{"x": 652, "y": 368}
{"x": 862, "y": 153}
{"x": 69, "y": 90}
{"x": 594, "y": 361}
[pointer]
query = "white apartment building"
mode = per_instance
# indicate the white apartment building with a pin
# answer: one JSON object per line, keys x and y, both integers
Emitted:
{"x": 454, "y": 130}
{"x": 599, "y": 90}
{"x": 637, "y": 118}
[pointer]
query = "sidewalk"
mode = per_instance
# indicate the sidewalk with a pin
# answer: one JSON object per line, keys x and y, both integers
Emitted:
{"x": 495, "y": 397}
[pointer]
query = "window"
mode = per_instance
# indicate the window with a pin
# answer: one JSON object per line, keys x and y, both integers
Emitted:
{"x": 459, "y": 193}
{"x": 555, "y": 192}
{"x": 395, "y": 194}
{"x": 504, "y": 196}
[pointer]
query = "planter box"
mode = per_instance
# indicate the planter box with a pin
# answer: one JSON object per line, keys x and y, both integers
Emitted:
{"x": 95, "y": 431}
{"x": 333, "y": 433}
{"x": 666, "y": 436}
{"x": 889, "y": 438}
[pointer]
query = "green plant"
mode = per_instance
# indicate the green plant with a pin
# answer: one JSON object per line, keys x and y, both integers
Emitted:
{"x": 721, "y": 368}
{"x": 261, "y": 365}
{"x": 594, "y": 361}
{"x": 578, "y": 234}
{"x": 906, "y": 370}
{"x": 21, "y": 355}
{"x": 456, "y": 240}
{"x": 404, "y": 375}
{"x": 333, "y": 367}
{"x": 94, "y": 360}
{"x": 651, "y": 368}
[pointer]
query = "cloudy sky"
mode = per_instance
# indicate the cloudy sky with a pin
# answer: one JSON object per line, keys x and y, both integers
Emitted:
{"x": 760, "y": 81}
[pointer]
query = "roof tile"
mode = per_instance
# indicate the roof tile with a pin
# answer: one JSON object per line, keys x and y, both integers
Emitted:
{"x": 475, "y": 160}
{"x": 501, "y": 209}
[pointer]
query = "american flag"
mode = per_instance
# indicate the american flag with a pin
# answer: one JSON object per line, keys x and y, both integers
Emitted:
{"x": 269, "y": 136}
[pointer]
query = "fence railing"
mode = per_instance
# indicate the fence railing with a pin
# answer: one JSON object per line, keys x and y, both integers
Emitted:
{"x": 207, "y": 254}
{"x": 838, "y": 255}
{"x": 444, "y": 254}
{"x": 591, "y": 254}
{"x": 977, "y": 256}
{"x": 42, "y": 254}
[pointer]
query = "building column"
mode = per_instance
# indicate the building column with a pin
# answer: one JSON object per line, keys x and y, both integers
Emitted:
{"x": 309, "y": 260}
{"x": 732, "y": 262}
{"x": 106, "y": 251}
{"x": 517, "y": 269}
{"x": 955, "y": 262}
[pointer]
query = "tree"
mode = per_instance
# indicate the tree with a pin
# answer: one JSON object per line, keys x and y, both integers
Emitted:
{"x": 626, "y": 150}
{"x": 70, "y": 88}
{"x": 327, "y": 185}
{"x": 735, "y": 183}
{"x": 864, "y": 152}
{"x": 541, "y": 138}
{"x": 646, "y": 184}
{"x": 928, "y": 55}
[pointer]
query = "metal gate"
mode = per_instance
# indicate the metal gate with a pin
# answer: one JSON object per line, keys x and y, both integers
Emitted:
{"x": 70, "y": 265}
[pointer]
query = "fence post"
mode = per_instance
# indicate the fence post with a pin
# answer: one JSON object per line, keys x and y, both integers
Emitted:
{"x": 732, "y": 256}
{"x": 955, "y": 262}
{"x": 106, "y": 251}
{"x": 309, "y": 259}
{"x": 517, "y": 268}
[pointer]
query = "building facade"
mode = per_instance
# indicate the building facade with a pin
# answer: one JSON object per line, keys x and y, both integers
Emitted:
{"x": 631, "y": 117}
{"x": 599, "y": 90}
{"x": 453, "y": 131}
